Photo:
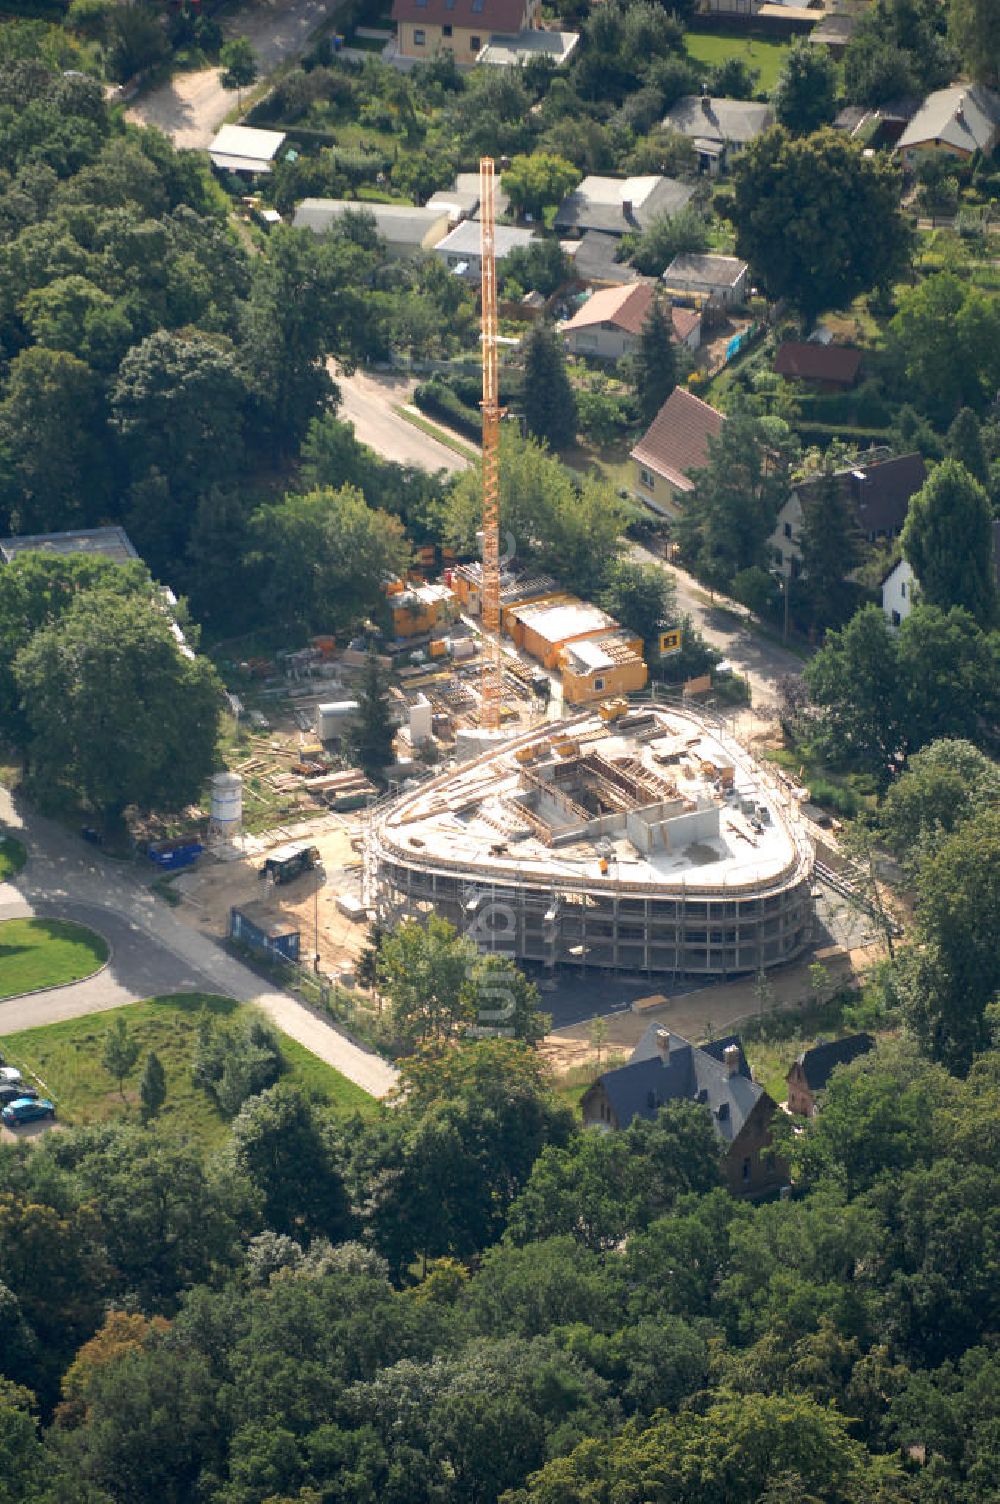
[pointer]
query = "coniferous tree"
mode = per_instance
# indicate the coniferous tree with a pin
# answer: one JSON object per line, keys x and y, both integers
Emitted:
{"x": 831, "y": 546}
{"x": 152, "y": 1087}
{"x": 948, "y": 540}
{"x": 372, "y": 736}
{"x": 549, "y": 402}
{"x": 655, "y": 361}
{"x": 965, "y": 444}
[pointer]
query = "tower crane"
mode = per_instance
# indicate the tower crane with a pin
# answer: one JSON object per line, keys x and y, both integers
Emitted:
{"x": 489, "y": 718}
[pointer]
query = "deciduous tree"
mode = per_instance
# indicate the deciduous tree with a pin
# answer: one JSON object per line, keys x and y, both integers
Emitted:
{"x": 538, "y": 182}
{"x": 121, "y": 1053}
{"x": 117, "y": 714}
{"x": 818, "y": 221}
{"x": 805, "y": 95}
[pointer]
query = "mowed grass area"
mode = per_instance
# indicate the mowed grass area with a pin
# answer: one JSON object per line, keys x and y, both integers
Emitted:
{"x": 13, "y": 856}
{"x": 37, "y": 953}
{"x": 66, "y": 1057}
{"x": 762, "y": 53}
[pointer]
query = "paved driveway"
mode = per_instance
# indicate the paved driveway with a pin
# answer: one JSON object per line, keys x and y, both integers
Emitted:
{"x": 192, "y": 106}
{"x": 152, "y": 950}
{"x": 368, "y": 400}
{"x": 727, "y": 626}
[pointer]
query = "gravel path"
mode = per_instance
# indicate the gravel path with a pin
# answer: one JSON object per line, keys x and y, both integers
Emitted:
{"x": 153, "y": 952}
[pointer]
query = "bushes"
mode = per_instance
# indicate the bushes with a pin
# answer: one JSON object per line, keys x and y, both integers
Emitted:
{"x": 436, "y": 398}
{"x": 834, "y": 796}
{"x": 234, "y": 1062}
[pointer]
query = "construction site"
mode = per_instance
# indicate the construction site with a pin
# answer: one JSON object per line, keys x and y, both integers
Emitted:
{"x": 530, "y": 802}
{"x": 643, "y": 839}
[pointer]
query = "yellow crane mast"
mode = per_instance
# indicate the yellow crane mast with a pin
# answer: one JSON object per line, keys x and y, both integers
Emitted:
{"x": 491, "y": 671}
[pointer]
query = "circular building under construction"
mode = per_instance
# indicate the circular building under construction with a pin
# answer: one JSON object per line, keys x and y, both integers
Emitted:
{"x": 643, "y": 839}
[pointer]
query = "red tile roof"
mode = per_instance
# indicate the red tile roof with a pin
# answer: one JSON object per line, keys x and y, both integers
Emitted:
{"x": 624, "y": 307}
{"x": 811, "y": 362}
{"x": 491, "y": 15}
{"x": 676, "y": 442}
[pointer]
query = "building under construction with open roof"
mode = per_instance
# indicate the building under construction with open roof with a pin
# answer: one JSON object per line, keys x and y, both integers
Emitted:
{"x": 644, "y": 839}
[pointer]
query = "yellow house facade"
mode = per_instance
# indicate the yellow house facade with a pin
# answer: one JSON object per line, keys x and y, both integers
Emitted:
{"x": 461, "y": 27}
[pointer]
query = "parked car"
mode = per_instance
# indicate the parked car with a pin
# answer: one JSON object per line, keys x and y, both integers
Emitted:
{"x": 9, "y": 1074}
{"x": 27, "y": 1110}
{"x": 13, "y": 1091}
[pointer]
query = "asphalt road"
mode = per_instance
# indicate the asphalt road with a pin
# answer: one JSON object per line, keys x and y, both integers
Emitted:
{"x": 728, "y": 627}
{"x": 368, "y": 401}
{"x": 153, "y": 952}
{"x": 192, "y": 106}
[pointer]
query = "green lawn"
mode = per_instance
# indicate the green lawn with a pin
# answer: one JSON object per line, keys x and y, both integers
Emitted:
{"x": 66, "y": 1057}
{"x": 37, "y": 953}
{"x": 762, "y": 53}
{"x": 12, "y": 857}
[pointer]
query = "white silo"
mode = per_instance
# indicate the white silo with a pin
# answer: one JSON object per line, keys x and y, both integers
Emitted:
{"x": 226, "y": 809}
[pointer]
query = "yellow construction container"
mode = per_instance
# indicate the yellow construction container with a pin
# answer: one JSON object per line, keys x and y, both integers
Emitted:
{"x": 438, "y": 648}
{"x": 612, "y": 710}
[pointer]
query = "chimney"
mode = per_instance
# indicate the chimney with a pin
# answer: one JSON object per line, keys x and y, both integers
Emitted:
{"x": 731, "y": 1059}
{"x": 627, "y": 210}
{"x": 663, "y": 1045}
{"x": 960, "y": 112}
{"x": 706, "y": 104}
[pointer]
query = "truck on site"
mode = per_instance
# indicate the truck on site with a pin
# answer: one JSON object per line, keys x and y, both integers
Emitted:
{"x": 286, "y": 863}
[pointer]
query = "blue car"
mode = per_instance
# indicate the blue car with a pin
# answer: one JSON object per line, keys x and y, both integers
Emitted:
{"x": 27, "y": 1110}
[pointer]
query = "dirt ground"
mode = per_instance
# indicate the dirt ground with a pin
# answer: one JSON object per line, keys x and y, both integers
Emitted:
{"x": 700, "y": 1015}
{"x": 209, "y": 892}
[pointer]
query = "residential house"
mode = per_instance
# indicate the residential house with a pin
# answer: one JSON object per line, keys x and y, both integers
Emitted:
{"x": 665, "y": 1068}
{"x": 719, "y": 128}
{"x": 721, "y": 280}
{"x": 461, "y": 27}
{"x": 460, "y": 200}
{"x": 619, "y": 206}
{"x": 609, "y": 323}
{"x": 955, "y": 122}
{"x": 461, "y": 250}
{"x": 899, "y": 584}
{"x": 834, "y": 32}
{"x": 810, "y": 1074}
{"x": 879, "y": 492}
{"x": 828, "y": 368}
{"x": 595, "y": 260}
{"x": 897, "y": 592}
{"x": 674, "y": 445}
{"x": 405, "y": 230}
{"x": 245, "y": 150}
{"x": 516, "y": 51}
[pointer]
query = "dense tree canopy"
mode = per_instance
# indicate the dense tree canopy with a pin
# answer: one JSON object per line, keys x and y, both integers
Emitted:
{"x": 117, "y": 713}
{"x": 818, "y": 221}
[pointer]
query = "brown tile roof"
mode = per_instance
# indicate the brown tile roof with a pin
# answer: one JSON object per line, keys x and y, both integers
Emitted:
{"x": 684, "y": 320}
{"x": 625, "y": 307}
{"x": 474, "y": 15}
{"x": 676, "y": 442}
{"x": 811, "y": 362}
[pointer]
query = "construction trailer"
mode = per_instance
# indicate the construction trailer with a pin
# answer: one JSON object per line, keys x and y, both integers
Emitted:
{"x": 286, "y": 863}
{"x": 253, "y": 925}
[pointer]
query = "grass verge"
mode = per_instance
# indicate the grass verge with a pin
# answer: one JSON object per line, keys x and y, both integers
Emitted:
{"x": 13, "y": 855}
{"x": 434, "y": 432}
{"x": 36, "y": 953}
{"x": 66, "y": 1059}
